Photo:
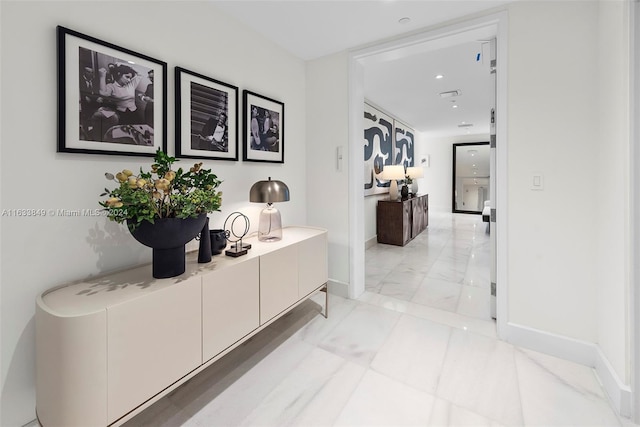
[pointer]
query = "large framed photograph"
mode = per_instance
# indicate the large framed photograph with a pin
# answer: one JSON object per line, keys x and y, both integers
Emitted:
{"x": 206, "y": 117}
{"x": 111, "y": 100}
{"x": 263, "y": 123}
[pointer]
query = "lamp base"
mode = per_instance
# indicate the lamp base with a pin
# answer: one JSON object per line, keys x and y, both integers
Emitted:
{"x": 242, "y": 247}
{"x": 393, "y": 190}
{"x": 235, "y": 253}
{"x": 270, "y": 225}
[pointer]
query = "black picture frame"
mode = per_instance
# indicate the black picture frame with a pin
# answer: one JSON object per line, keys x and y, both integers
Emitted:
{"x": 466, "y": 155}
{"x": 260, "y": 144}
{"x": 97, "y": 116}
{"x": 200, "y": 103}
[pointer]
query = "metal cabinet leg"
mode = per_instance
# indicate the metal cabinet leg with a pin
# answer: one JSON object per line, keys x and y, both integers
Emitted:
{"x": 325, "y": 289}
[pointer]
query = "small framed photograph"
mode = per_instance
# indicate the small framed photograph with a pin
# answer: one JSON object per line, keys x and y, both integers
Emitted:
{"x": 263, "y": 123}
{"x": 206, "y": 117}
{"x": 111, "y": 100}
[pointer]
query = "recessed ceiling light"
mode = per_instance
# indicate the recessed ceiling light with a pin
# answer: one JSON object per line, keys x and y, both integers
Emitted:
{"x": 404, "y": 20}
{"x": 439, "y": 76}
{"x": 454, "y": 106}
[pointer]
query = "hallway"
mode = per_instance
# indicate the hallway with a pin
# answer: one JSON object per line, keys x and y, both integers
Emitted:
{"x": 417, "y": 348}
{"x": 444, "y": 267}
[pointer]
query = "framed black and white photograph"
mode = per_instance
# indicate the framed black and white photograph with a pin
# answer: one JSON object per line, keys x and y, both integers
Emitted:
{"x": 206, "y": 117}
{"x": 111, "y": 100}
{"x": 263, "y": 123}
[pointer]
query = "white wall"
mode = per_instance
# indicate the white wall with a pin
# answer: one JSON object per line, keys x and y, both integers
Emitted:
{"x": 613, "y": 203}
{"x": 328, "y": 129}
{"x": 553, "y": 129}
{"x": 370, "y": 224}
{"x": 39, "y": 253}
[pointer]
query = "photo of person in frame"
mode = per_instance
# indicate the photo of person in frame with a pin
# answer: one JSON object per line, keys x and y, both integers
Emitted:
{"x": 116, "y": 100}
{"x": 209, "y": 119}
{"x": 265, "y": 132}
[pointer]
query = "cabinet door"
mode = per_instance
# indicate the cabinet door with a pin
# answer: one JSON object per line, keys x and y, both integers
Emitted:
{"x": 313, "y": 265}
{"x": 230, "y": 306}
{"x": 278, "y": 281}
{"x": 153, "y": 341}
{"x": 426, "y": 210}
{"x": 418, "y": 215}
{"x": 407, "y": 220}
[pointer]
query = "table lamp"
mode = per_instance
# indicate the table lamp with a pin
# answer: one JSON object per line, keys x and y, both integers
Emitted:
{"x": 393, "y": 173}
{"x": 415, "y": 172}
{"x": 269, "y": 192}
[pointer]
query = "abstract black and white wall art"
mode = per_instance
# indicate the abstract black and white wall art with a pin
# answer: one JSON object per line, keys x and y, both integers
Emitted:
{"x": 378, "y": 149}
{"x": 403, "y": 150}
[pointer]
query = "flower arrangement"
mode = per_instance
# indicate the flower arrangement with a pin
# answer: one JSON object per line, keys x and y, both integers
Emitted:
{"x": 161, "y": 193}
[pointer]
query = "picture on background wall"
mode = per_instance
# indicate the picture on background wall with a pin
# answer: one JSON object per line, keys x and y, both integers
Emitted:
{"x": 111, "y": 100}
{"x": 378, "y": 149}
{"x": 403, "y": 148}
{"x": 263, "y": 124}
{"x": 206, "y": 117}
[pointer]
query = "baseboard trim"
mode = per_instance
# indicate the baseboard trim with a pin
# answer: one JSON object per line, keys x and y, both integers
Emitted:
{"x": 618, "y": 392}
{"x": 338, "y": 288}
{"x": 370, "y": 242}
{"x": 582, "y": 352}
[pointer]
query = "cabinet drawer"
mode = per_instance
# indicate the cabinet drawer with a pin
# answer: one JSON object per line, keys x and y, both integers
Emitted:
{"x": 278, "y": 281}
{"x": 152, "y": 342}
{"x": 313, "y": 265}
{"x": 230, "y": 306}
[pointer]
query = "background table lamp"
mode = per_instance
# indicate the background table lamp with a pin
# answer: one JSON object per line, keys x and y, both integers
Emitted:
{"x": 393, "y": 173}
{"x": 415, "y": 172}
{"x": 269, "y": 192}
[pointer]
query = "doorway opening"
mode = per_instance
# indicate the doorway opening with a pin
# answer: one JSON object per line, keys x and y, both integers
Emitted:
{"x": 489, "y": 26}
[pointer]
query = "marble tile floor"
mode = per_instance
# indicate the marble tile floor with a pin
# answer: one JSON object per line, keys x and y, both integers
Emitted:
{"x": 418, "y": 348}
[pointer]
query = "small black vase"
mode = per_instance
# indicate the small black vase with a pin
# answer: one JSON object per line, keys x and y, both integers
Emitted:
{"x": 218, "y": 241}
{"x": 204, "y": 251}
{"x": 404, "y": 193}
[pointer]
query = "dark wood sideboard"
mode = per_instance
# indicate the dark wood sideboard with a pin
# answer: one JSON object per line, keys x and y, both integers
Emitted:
{"x": 399, "y": 222}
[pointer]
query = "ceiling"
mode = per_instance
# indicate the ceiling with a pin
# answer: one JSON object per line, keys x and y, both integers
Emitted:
{"x": 402, "y": 83}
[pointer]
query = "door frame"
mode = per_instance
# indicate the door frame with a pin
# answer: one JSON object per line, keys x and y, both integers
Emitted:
{"x": 634, "y": 160}
{"x": 436, "y": 37}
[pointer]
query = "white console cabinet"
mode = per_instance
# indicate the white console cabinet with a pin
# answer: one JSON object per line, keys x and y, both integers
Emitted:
{"x": 108, "y": 347}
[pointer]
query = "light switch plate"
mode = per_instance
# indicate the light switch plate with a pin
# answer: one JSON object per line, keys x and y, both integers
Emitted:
{"x": 537, "y": 181}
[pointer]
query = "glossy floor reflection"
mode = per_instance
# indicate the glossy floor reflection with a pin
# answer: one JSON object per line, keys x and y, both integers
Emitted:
{"x": 418, "y": 348}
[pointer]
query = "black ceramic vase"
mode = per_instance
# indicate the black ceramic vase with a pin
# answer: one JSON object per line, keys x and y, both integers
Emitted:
{"x": 404, "y": 193}
{"x": 218, "y": 241}
{"x": 167, "y": 237}
{"x": 204, "y": 252}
